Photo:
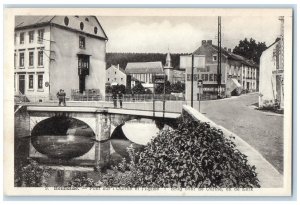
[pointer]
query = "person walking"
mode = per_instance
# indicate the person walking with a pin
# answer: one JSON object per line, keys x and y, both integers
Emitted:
{"x": 120, "y": 98}
{"x": 114, "y": 97}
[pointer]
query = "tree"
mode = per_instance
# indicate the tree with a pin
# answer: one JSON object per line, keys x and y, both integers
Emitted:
{"x": 139, "y": 89}
{"x": 159, "y": 89}
{"x": 250, "y": 49}
{"x": 178, "y": 87}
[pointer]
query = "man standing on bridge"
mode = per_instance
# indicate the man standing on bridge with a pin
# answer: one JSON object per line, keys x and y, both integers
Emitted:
{"x": 120, "y": 96}
{"x": 61, "y": 95}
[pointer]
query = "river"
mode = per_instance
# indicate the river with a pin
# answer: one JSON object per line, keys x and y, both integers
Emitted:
{"x": 63, "y": 139}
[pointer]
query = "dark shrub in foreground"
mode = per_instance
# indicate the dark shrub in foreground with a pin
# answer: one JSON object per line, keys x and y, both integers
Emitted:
{"x": 193, "y": 155}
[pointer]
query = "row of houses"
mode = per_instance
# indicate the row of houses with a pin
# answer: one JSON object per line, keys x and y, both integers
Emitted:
{"x": 237, "y": 72}
{"x": 143, "y": 72}
{"x": 68, "y": 52}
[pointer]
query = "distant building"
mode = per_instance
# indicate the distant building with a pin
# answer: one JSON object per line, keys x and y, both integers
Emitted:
{"x": 58, "y": 52}
{"x": 116, "y": 75}
{"x": 237, "y": 72}
{"x": 271, "y": 87}
{"x": 144, "y": 72}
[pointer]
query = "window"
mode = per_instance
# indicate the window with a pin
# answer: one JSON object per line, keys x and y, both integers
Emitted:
{"x": 40, "y": 35}
{"x": 115, "y": 73}
{"x": 215, "y": 57}
{"x": 22, "y": 38}
{"x": 211, "y": 77}
{"x": 40, "y": 58}
{"x": 82, "y": 42}
{"x": 15, "y": 60}
{"x": 121, "y": 79}
{"x": 40, "y": 81}
{"x": 31, "y": 57}
{"x": 107, "y": 79}
{"x": 31, "y": 36}
{"x": 83, "y": 64}
{"x": 21, "y": 60}
{"x": 215, "y": 77}
{"x": 30, "y": 81}
{"x": 15, "y": 40}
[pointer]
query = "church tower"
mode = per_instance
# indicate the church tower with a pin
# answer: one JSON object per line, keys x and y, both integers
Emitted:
{"x": 168, "y": 68}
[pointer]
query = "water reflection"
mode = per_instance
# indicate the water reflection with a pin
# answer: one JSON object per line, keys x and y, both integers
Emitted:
{"x": 61, "y": 137}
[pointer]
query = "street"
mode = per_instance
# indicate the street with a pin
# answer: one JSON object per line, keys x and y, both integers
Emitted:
{"x": 262, "y": 130}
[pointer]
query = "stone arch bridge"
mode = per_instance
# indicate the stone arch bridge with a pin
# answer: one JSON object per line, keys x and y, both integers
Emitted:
{"x": 103, "y": 121}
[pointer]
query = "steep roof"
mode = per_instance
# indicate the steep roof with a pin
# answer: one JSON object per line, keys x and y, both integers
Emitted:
{"x": 229, "y": 55}
{"x": 144, "y": 67}
{"x": 91, "y": 24}
{"x": 24, "y": 21}
{"x": 116, "y": 67}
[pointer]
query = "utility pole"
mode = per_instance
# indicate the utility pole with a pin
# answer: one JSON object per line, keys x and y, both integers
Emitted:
{"x": 219, "y": 56}
{"x": 192, "y": 81}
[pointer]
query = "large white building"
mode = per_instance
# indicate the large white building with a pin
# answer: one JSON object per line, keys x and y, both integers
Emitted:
{"x": 271, "y": 87}
{"x": 58, "y": 52}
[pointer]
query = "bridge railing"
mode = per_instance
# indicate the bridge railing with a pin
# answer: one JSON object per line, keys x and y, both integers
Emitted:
{"x": 145, "y": 97}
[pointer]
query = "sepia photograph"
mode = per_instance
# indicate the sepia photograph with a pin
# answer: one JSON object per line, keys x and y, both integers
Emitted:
{"x": 155, "y": 102}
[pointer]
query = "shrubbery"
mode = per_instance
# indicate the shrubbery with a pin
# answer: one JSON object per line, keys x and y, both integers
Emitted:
{"x": 192, "y": 155}
{"x": 32, "y": 175}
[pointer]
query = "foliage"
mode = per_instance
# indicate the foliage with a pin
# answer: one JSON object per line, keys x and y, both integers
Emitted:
{"x": 32, "y": 175}
{"x": 123, "y": 58}
{"x": 115, "y": 88}
{"x": 177, "y": 87}
{"x": 250, "y": 49}
{"x": 192, "y": 155}
{"x": 81, "y": 180}
{"x": 139, "y": 89}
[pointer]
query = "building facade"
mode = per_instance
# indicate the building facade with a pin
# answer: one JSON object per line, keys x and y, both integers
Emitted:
{"x": 144, "y": 72}
{"x": 116, "y": 75}
{"x": 237, "y": 72}
{"x": 271, "y": 87}
{"x": 58, "y": 52}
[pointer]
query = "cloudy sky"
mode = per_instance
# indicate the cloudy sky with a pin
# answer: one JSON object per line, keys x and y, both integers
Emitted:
{"x": 183, "y": 34}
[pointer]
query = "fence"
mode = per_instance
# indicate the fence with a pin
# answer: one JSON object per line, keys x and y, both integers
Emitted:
{"x": 145, "y": 97}
{"x": 87, "y": 95}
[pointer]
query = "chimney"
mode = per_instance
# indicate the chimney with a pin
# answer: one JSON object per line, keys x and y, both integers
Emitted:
{"x": 209, "y": 42}
{"x": 225, "y": 48}
{"x": 118, "y": 66}
{"x": 203, "y": 42}
{"x": 229, "y": 50}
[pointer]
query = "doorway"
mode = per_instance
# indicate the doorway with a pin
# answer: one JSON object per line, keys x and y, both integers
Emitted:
{"x": 81, "y": 83}
{"x": 22, "y": 84}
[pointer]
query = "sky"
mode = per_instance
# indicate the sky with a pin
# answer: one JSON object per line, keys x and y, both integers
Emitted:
{"x": 183, "y": 34}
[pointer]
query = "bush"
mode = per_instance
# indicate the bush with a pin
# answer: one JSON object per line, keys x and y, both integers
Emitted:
{"x": 32, "y": 175}
{"x": 194, "y": 155}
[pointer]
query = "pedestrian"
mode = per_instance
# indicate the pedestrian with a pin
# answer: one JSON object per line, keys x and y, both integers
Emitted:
{"x": 64, "y": 97}
{"x": 114, "y": 97}
{"x": 60, "y": 97}
{"x": 120, "y": 98}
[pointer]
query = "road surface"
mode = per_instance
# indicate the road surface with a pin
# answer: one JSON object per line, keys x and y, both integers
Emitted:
{"x": 262, "y": 130}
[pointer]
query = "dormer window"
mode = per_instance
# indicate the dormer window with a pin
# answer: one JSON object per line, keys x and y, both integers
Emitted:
{"x": 87, "y": 19}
